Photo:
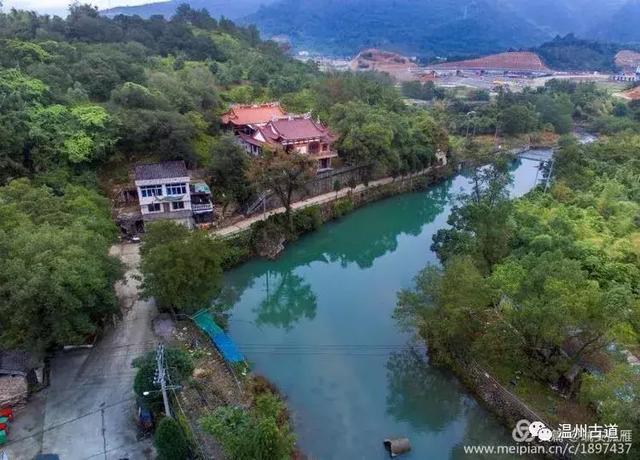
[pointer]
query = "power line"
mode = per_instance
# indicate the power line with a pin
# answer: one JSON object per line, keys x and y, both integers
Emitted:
{"x": 66, "y": 422}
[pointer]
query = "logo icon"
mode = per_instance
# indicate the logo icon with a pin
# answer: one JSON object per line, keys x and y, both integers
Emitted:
{"x": 526, "y": 431}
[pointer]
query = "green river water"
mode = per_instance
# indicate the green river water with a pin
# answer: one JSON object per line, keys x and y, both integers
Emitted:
{"x": 317, "y": 322}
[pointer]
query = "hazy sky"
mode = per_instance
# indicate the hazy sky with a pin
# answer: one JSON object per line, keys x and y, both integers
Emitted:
{"x": 59, "y": 7}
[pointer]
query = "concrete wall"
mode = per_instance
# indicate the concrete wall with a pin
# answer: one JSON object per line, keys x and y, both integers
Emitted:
{"x": 322, "y": 183}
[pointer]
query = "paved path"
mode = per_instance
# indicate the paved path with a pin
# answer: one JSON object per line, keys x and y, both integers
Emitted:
{"x": 88, "y": 412}
{"x": 244, "y": 224}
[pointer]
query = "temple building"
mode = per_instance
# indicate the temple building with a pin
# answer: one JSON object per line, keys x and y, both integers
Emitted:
{"x": 296, "y": 134}
{"x": 246, "y": 118}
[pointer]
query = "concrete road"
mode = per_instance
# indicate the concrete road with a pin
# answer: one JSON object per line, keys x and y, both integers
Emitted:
{"x": 89, "y": 409}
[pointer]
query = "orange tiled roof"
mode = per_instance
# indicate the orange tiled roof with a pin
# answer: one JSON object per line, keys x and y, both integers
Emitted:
{"x": 289, "y": 129}
{"x": 256, "y": 114}
{"x": 294, "y": 128}
{"x": 516, "y": 61}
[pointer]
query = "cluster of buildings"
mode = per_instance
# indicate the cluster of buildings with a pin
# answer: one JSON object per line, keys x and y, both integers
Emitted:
{"x": 168, "y": 190}
{"x": 261, "y": 126}
{"x": 627, "y": 75}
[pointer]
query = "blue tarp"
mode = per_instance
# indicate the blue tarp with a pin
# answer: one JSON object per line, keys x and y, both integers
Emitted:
{"x": 222, "y": 341}
{"x": 228, "y": 348}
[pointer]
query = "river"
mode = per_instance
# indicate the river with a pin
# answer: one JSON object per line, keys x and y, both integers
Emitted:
{"x": 318, "y": 323}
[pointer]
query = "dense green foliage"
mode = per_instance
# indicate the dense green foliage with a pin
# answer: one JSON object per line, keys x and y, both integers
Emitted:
{"x": 181, "y": 269}
{"x": 482, "y": 226}
{"x": 86, "y": 90}
{"x": 283, "y": 173}
{"x": 260, "y": 433}
{"x": 425, "y": 91}
{"x": 445, "y": 27}
{"x": 83, "y": 98}
{"x": 228, "y": 165}
{"x": 56, "y": 278}
{"x": 551, "y": 108}
{"x": 170, "y": 441}
{"x": 571, "y": 53}
{"x": 554, "y": 283}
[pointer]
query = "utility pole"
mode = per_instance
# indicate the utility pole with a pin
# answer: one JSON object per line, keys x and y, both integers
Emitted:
{"x": 160, "y": 378}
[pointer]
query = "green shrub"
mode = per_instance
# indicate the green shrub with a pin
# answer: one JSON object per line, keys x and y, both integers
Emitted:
{"x": 307, "y": 219}
{"x": 238, "y": 251}
{"x": 267, "y": 230}
{"x": 261, "y": 433}
{"x": 170, "y": 441}
{"x": 342, "y": 207}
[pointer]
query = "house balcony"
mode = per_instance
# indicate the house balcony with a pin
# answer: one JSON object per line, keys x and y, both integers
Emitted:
{"x": 202, "y": 208}
{"x": 318, "y": 154}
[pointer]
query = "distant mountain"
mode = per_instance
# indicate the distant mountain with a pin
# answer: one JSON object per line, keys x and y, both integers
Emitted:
{"x": 428, "y": 28}
{"x": 561, "y": 17}
{"x": 423, "y": 27}
{"x": 232, "y": 9}
{"x": 623, "y": 26}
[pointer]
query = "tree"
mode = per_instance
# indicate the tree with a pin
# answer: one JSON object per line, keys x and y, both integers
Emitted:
{"x": 170, "y": 441}
{"x": 615, "y": 396}
{"x": 181, "y": 269}
{"x": 56, "y": 278}
{"x": 481, "y": 222}
{"x": 229, "y": 164}
{"x": 283, "y": 173}
{"x": 449, "y": 306}
{"x": 557, "y": 111}
{"x": 366, "y": 135}
{"x": 518, "y": 119}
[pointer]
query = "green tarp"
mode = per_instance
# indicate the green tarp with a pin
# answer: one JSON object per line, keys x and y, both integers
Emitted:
{"x": 205, "y": 322}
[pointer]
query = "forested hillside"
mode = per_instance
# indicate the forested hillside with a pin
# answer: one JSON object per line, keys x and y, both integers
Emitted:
{"x": 622, "y": 26}
{"x": 434, "y": 27}
{"x": 84, "y": 98}
{"x": 232, "y": 9}
{"x": 572, "y": 53}
{"x": 426, "y": 28}
{"x": 542, "y": 291}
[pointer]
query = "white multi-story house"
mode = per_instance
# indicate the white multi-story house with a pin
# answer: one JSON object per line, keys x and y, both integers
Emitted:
{"x": 165, "y": 191}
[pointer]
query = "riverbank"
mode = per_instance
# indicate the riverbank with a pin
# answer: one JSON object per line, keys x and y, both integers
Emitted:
{"x": 326, "y": 198}
{"x": 267, "y": 234}
{"x": 317, "y": 322}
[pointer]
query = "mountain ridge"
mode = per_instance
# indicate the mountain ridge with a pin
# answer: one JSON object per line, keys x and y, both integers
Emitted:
{"x": 425, "y": 28}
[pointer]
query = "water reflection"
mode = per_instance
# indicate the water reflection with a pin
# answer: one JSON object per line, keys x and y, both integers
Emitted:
{"x": 344, "y": 243}
{"x": 288, "y": 299}
{"x": 407, "y": 217}
{"x": 418, "y": 394}
{"x": 318, "y": 323}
